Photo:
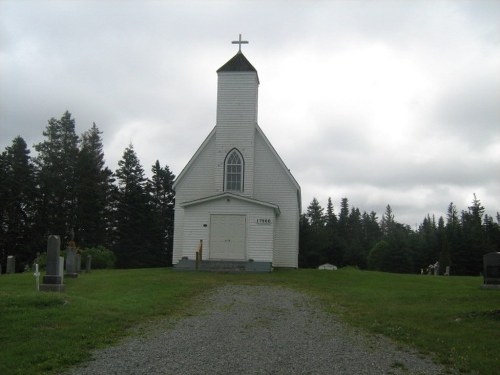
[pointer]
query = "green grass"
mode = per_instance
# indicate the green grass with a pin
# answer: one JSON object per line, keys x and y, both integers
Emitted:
{"x": 450, "y": 318}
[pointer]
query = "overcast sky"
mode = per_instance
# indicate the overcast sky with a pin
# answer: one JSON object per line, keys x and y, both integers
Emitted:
{"x": 382, "y": 102}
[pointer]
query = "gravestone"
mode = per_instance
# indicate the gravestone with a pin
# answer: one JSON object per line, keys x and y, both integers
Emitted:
{"x": 78, "y": 263}
{"x": 71, "y": 269}
{"x": 491, "y": 269}
{"x": 447, "y": 272}
{"x": 11, "y": 264}
{"x": 53, "y": 279}
{"x": 61, "y": 269}
{"x": 89, "y": 263}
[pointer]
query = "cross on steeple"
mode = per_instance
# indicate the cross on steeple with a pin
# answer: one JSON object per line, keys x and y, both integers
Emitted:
{"x": 240, "y": 42}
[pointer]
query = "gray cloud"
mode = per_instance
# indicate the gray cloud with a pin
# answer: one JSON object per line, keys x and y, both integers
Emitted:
{"x": 381, "y": 102}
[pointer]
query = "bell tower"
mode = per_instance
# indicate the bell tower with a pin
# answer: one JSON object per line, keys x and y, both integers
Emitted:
{"x": 237, "y": 108}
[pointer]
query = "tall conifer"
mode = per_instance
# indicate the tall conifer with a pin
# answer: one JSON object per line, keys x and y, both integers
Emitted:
{"x": 56, "y": 162}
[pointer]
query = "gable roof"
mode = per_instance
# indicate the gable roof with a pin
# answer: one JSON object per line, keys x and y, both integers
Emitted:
{"x": 233, "y": 196}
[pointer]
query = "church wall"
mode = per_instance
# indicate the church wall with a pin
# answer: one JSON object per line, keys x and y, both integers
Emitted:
{"x": 259, "y": 237}
{"x": 195, "y": 184}
{"x": 273, "y": 184}
{"x": 178, "y": 234}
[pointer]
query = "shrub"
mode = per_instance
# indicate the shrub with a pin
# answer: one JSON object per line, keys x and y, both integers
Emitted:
{"x": 101, "y": 257}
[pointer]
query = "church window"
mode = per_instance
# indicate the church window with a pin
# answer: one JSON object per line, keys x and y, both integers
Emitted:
{"x": 233, "y": 171}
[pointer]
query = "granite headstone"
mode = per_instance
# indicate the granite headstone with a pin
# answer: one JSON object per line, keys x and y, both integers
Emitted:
{"x": 53, "y": 279}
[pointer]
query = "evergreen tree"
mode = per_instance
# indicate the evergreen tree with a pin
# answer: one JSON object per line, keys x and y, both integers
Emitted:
{"x": 387, "y": 223}
{"x": 93, "y": 191}
{"x": 342, "y": 231}
{"x": 17, "y": 196}
{"x": 331, "y": 218}
{"x": 444, "y": 256}
{"x": 332, "y": 247}
{"x": 56, "y": 162}
{"x": 162, "y": 208}
{"x": 492, "y": 234}
{"x": 133, "y": 247}
{"x": 428, "y": 243}
{"x": 355, "y": 254}
{"x": 469, "y": 257}
{"x": 371, "y": 230}
{"x": 314, "y": 242}
{"x": 315, "y": 214}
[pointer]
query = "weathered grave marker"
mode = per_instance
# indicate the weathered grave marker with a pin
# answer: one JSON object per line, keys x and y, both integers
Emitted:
{"x": 89, "y": 263}
{"x": 53, "y": 279}
{"x": 11, "y": 264}
{"x": 78, "y": 263}
{"x": 71, "y": 262}
{"x": 491, "y": 269}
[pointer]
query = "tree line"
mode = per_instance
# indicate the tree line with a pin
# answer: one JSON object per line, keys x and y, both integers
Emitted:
{"x": 352, "y": 238}
{"x": 67, "y": 190}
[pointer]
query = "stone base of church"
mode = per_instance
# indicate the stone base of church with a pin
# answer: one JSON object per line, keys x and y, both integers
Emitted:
{"x": 226, "y": 266}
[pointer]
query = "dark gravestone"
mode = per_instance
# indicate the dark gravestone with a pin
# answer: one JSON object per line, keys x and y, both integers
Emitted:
{"x": 491, "y": 269}
{"x": 11, "y": 264}
{"x": 88, "y": 266}
{"x": 71, "y": 268}
{"x": 52, "y": 281}
{"x": 78, "y": 263}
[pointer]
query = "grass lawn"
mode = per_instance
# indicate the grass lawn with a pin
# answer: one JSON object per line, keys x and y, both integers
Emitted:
{"x": 449, "y": 317}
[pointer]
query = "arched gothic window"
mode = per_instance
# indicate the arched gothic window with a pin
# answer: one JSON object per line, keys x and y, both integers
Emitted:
{"x": 233, "y": 171}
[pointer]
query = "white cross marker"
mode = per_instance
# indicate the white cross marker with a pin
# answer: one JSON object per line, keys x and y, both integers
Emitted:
{"x": 37, "y": 276}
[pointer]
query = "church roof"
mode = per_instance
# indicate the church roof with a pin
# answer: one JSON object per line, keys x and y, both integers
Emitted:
{"x": 239, "y": 63}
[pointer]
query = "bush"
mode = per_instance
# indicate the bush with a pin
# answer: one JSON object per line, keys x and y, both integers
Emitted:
{"x": 101, "y": 257}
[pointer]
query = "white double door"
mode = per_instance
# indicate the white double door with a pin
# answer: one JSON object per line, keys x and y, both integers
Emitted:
{"x": 228, "y": 237}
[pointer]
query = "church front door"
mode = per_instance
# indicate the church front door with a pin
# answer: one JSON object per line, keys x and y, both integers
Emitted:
{"x": 228, "y": 237}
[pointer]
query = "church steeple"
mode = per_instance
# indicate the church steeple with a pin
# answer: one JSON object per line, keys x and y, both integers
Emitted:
{"x": 237, "y": 93}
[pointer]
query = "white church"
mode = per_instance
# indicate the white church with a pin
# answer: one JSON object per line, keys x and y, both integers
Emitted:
{"x": 236, "y": 200}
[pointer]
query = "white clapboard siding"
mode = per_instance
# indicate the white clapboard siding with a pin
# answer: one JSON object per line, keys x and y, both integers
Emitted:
{"x": 237, "y": 97}
{"x": 259, "y": 241}
{"x": 274, "y": 183}
{"x": 196, "y": 180}
{"x": 178, "y": 233}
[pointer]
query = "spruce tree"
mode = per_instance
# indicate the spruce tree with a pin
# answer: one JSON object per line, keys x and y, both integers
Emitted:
{"x": 133, "y": 246}
{"x": 93, "y": 191}
{"x": 17, "y": 196}
{"x": 161, "y": 200}
{"x": 470, "y": 256}
{"x": 56, "y": 169}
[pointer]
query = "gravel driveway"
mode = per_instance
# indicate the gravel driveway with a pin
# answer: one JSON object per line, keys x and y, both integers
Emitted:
{"x": 256, "y": 330}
